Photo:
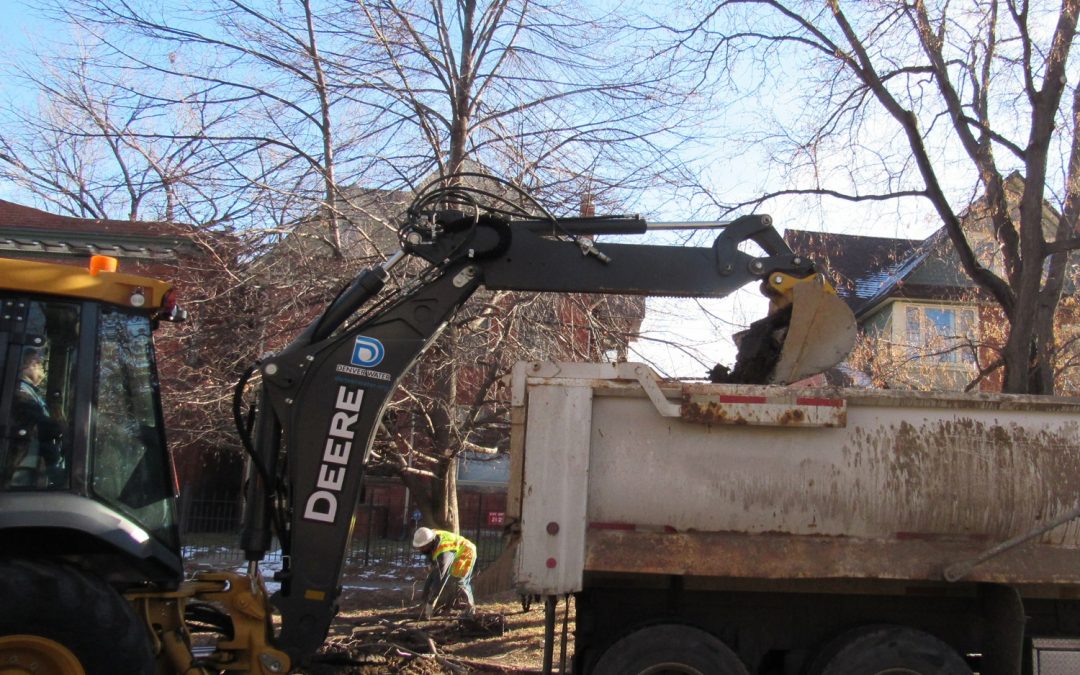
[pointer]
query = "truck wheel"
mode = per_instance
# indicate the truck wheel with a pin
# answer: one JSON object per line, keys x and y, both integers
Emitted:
{"x": 55, "y": 620}
{"x": 669, "y": 648}
{"x": 888, "y": 650}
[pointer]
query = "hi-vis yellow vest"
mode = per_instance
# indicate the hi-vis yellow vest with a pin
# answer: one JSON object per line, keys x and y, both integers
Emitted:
{"x": 463, "y": 550}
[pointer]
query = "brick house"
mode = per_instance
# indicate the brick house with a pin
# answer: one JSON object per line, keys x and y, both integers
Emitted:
{"x": 148, "y": 248}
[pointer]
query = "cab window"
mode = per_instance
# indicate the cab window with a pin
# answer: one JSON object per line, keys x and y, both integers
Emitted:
{"x": 129, "y": 468}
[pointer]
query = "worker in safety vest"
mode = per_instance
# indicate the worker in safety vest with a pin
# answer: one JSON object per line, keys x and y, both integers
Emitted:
{"x": 452, "y": 557}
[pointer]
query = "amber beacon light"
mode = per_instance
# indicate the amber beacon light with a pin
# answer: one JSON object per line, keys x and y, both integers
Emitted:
{"x": 103, "y": 263}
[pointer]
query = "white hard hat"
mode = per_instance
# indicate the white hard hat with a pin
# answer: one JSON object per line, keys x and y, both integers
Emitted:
{"x": 422, "y": 537}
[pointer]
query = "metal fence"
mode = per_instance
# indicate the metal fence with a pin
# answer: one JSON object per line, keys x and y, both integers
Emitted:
{"x": 210, "y": 534}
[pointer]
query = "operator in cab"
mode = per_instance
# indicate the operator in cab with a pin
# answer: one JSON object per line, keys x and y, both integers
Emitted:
{"x": 38, "y": 458}
{"x": 452, "y": 557}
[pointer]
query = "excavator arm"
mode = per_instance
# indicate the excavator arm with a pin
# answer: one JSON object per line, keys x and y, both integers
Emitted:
{"x": 322, "y": 397}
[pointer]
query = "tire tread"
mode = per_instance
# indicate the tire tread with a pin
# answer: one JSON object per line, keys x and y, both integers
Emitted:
{"x": 78, "y": 610}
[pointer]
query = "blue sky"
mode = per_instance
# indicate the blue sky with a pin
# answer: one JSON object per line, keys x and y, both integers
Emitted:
{"x": 733, "y": 179}
{"x": 17, "y": 31}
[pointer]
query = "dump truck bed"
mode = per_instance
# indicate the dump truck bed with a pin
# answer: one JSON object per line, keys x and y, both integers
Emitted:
{"x": 616, "y": 471}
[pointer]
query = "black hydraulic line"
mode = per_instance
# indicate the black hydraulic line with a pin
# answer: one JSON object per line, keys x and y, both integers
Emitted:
{"x": 453, "y": 190}
{"x": 565, "y": 631}
{"x": 244, "y": 429}
{"x": 259, "y": 514}
{"x": 366, "y": 285}
{"x": 549, "y": 631}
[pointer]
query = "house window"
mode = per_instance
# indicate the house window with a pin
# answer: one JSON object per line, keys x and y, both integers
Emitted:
{"x": 940, "y": 334}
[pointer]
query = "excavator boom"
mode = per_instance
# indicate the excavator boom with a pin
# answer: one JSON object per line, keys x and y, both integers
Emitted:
{"x": 323, "y": 396}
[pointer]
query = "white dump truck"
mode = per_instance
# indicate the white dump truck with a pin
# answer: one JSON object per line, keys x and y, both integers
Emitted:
{"x": 734, "y": 529}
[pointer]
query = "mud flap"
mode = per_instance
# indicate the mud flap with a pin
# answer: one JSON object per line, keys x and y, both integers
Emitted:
{"x": 820, "y": 333}
{"x": 1004, "y": 612}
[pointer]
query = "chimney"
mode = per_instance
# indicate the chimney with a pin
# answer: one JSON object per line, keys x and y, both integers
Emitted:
{"x": 588, "y": 210}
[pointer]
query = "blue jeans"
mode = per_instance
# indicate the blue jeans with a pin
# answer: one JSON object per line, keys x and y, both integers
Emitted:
{"x": 466, "y": 585}
{"x": 431, "y": 587}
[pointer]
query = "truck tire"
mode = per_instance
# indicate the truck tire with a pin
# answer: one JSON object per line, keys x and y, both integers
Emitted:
{"x": 669, "y": 648}
{"x": 68, "y": 623}
{"x": 888, "y": 650}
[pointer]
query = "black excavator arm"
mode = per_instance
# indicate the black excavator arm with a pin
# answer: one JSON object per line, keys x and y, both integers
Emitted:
{"x": 323, "y": 396}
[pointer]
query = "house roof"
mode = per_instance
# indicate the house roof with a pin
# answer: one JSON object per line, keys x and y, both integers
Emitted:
{"x": 869, "y": 270}
{"x": 29, "y": 231}
{"x": 859, "y": 266}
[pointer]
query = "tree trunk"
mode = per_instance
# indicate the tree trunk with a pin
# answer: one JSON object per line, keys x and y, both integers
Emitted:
{"x": 325, "y": 129}
{"x": 444, "y": 391}
{"x": 1043, "y": 381}
{"x": 451, "y": 521}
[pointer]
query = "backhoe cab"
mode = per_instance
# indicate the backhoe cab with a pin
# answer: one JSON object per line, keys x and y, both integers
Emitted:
{"x": 87, "y": 496}
{"x": 91, "y": 577}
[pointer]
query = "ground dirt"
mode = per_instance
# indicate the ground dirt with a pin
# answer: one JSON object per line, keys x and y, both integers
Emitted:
{"x": 378, "y": 630}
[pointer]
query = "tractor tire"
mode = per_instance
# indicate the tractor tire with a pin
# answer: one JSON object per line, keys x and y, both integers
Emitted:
{"x": 56, "y": 620}
{"x": 669, "y": 648}
{"x": 883, "y": 650}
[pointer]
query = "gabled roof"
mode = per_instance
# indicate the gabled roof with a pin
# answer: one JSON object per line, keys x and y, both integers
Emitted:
{"x": 859, "y": 266}
{"x": 29, "y": 231}
{"x": 868, "y": 270}
{"x": 369, "y": 218}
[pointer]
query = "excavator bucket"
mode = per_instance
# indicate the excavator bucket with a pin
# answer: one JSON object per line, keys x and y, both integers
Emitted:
{"x": 820, "y": 333}
{"x": 808, "y": 331}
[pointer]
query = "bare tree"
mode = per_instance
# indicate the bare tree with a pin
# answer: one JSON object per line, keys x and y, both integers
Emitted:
{"x": 92, "y": 148}
{"x": 528, "y": 89}
{"x": 454, "y": 401}
{"x": 262, "y": 73}
{"x": 317, "y": 113}
{"x": 549, "y": 94}
{"x": 938, "y": 101}
{"x": 96, "y": 149}
{"x": 224, "y": 118}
